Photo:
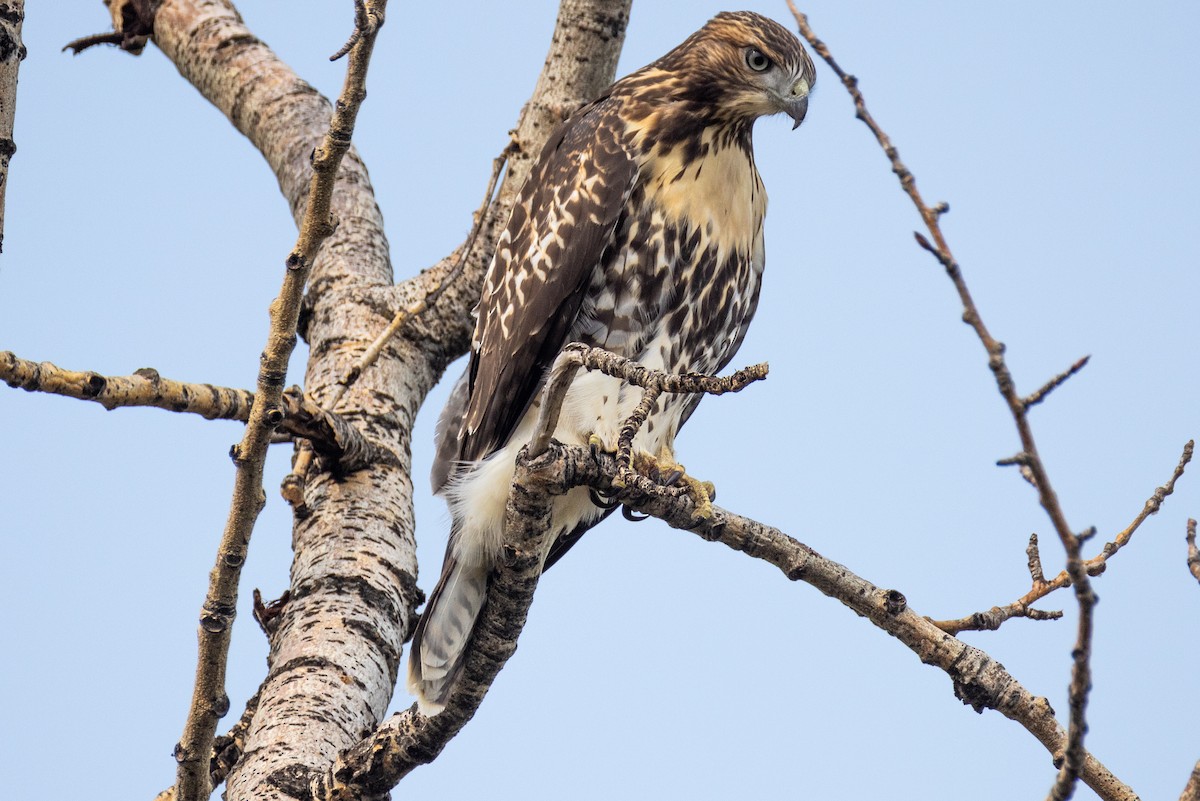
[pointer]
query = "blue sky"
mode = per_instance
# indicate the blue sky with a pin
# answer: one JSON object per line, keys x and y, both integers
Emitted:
{"x": 142, "y": 230}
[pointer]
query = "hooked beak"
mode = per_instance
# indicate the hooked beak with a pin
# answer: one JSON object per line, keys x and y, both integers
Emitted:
{"x": 795, "y": 104}
{"x": 796, "y": 109}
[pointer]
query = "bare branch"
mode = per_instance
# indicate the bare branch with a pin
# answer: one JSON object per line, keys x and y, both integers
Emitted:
{"x": 1031, "y": 464}
{"x": 1054, "y": 383}
{"x": 144, "y": 388}
{"x": 209, "y": 701}
{"x": 578, "y": 355}
{"x": 408, "y": 739}
{"x": 1153, "y": 504}
{"x": 1191, "y": 791}
{"x": 335, "y": 437}
{"x": 1193, "y": 559}
{"x": 404, "y": 315}
{"x": 12, "y": 53}
{"x": 1093, "y": 567}
{"x": 133, "y": 25}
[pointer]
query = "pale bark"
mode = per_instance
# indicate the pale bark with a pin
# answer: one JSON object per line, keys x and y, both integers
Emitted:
{"x": 12, "y": 51}
{"x": 336, "y": 653}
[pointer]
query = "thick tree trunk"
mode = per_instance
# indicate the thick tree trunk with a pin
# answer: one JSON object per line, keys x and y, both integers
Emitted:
{"x": 336, "y": 652}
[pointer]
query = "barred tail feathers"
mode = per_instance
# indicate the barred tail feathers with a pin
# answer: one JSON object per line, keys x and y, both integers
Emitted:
{"x": 436, "y": 657}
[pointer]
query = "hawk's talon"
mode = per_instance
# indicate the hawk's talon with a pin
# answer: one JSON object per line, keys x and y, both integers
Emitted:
{"x": 672, "y": 478}
{"x": 603, "y": 501}
{"x": 701, "y": 493}
{"x": 632, "y": 516}
{"x": 596, "y": 446}
{"x": 669, "y": 474}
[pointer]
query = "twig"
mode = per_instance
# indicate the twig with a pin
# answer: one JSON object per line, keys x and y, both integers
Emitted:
{"x": 407, "y": 313}
{"x": 133, "y": 25}
{"x": 292, "y": 486}
{"x": 1093, "y": 567}
{"x": 997, "y": 615}
{"x": 1036, "y": 574}
{"x": 578, "y": 355}
{"x": 227, "y": 749}
{"x": 335, "y": 438}
{"x": 1037, "y": 475}
{"x": 209, "y": 702}
{"x": 1152, "y": 505}
{"x": 1193, "y": 558}
{"x": 144, "y": 388}
{"x": 1054, "y": 383}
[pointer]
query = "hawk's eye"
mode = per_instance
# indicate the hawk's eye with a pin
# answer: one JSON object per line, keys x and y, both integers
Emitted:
{"x": 757, "y": 60}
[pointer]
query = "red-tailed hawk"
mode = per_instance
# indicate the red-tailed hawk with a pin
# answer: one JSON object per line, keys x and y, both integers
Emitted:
{"x": 640, "y": 230}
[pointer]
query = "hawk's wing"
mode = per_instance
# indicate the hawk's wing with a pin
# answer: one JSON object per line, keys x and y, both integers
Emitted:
{"x": 561, "y": 228}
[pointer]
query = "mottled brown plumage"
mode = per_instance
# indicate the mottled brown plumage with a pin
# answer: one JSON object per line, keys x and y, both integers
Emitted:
{"x": 639, "y": 231}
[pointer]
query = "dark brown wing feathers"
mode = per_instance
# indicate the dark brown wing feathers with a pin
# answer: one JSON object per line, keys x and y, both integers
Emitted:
{"x": 561, "y": 226}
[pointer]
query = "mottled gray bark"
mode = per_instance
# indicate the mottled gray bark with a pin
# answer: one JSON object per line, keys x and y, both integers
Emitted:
{"x": 335, "y": 654}
{"x": 12, "y": 51}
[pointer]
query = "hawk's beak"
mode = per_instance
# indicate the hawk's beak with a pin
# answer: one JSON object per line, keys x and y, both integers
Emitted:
{"x": 796, "y": 109}
{"x": 795, "y": 104}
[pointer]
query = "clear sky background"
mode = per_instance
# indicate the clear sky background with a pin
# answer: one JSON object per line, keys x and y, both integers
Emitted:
{"x": 142, "y": 230}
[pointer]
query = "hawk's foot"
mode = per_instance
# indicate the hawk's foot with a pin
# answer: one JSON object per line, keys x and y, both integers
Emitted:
{"x": 665, "y": 471}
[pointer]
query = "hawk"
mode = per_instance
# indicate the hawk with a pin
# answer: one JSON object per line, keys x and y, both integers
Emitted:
{"x": 640, "y": 231}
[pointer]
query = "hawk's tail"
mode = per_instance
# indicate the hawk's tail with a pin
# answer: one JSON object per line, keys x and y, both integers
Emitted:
{"x": 436, "y": 657}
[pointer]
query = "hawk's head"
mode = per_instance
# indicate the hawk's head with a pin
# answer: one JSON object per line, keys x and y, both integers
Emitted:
{"x": 738, "y": 67}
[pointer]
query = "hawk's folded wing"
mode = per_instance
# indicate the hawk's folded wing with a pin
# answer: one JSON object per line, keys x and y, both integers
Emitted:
{"x": 561, "y": 228}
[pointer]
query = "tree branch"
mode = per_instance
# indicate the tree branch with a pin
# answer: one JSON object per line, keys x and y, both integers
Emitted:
{"x": 576, "y": 355}
{"x": 209, "y": 701}
{"x": 581, "y": 62}
{"x": 1193, "y": 559}
{"x": 12, "y": 53}
{"x": 1029, "y": 459}
{"x": 1191, "y": 792}
{"x": 144, "y": 388}
{"x": 409, "y": 739}
{"x": 993, "y": 618}
{"x": 353, "y": 592}
{"x": 336, "y": 439}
